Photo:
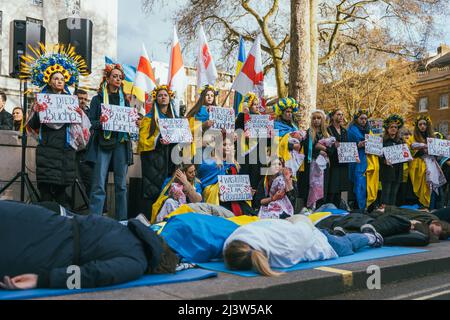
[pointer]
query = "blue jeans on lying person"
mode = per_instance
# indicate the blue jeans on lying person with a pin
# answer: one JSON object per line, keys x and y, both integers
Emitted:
{"x": 348, "y": 244}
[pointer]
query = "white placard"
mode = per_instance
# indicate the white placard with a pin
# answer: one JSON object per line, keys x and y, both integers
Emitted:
{"x": 399, "y": 153}
{"x": 224, "y": 118}
{"x": 119, "y": 119}
{"x": 260, "y": 126}
{"x": 175, "y": 130}
{"x": 58, "y": 108}
{"x": 438, "y": 147}
{"x": 374, "y": 145}
{"x": 235, "y": 188}
{"x": 348, "y": 152}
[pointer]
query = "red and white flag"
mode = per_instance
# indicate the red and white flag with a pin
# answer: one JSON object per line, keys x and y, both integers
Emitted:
{"x": 206, "y": 69}
{"x": 145, "y": 79}
{"x": 251, "y": 77}
{"x": 177, "y": 73}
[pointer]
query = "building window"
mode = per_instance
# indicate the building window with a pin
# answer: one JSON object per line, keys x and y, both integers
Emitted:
{"x": 38, "y": 3}
{"x": 37, "y": 21}
{"x": 443, "y": 101}
{"x": 423, "y": 104}
{"x": 443, "y": 128}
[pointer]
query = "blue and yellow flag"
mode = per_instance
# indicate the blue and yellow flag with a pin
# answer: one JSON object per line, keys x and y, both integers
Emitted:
{"x": 130, "y": 74}
{"x": 238, "y": 98}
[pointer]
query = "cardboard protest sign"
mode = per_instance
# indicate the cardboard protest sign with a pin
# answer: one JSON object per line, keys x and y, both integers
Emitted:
{"x": 259, "y": 126}
{"x": 175, "y": 130}
{"x": 348, "y": 152}
{"x": 438, "y": 147}
{"x": 374, "y": 145}
{"x": 399, "y": 153}
{"x": 224, "y": 118}
{"x": 235, "y": 188}
{"x": 58, "y": 108}
{"x": 376, "y": 125}
{"x": 119, "y": 119}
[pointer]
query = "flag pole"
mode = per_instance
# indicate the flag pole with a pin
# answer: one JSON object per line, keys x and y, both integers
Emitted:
{"x": 226, "y": 98}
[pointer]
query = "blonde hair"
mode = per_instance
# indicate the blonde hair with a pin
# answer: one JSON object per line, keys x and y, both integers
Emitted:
{"x": 240, "y": 256}
{"x": 323, "y": 125}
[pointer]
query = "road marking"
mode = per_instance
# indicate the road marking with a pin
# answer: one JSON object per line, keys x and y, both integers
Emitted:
{"x": 409, "y": 296}
{"x": 347, "y": 276}
{"x": 431, "y": 296}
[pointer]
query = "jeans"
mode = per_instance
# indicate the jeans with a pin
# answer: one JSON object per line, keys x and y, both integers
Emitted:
{"x": 389, "y": 193}
{"x": 118, "y": 156}
{"x": 348, "y": 244}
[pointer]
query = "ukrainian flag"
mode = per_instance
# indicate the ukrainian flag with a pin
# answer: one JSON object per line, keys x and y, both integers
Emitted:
{"x": 238, "y": 98}
{"x": 130, "y": 74}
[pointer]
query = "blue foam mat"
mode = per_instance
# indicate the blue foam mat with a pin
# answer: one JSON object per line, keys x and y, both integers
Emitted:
{"x": 152, "y": 280}
{"x": 363, "y": 255}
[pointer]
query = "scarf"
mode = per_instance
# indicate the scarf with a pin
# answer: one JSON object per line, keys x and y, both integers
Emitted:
{"x": 122, "y": 136}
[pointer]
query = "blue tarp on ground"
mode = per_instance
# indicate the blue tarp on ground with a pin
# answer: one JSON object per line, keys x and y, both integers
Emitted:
{"x": 364, "y": 255}
{"x": 152, "y": 280}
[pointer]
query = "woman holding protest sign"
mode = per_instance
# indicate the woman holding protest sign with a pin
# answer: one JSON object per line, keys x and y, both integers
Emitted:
{"x": 391, "y": 175}
{"x": 363, "y": 175}
{"x": 109, "y": 149}
{"x": 199, "y": 115}
{"x": 155, "y": 151}
{"x": 317, "y": 148}
{"x": 338, "y": 182}
{"x": 58, "y": 142}
{"x": 425, "y": 174}
{"x": 250, "y": 148}
{"x": 221, "y": 162}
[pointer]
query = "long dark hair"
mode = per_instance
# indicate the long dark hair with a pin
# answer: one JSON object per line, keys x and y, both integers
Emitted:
{"x": 419, "y": 136}
{"x": 153, "y": 120}
{"x": 201, "y": 102}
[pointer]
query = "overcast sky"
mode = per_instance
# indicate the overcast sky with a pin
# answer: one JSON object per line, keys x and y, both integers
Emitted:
{"x": 155, "y": 30}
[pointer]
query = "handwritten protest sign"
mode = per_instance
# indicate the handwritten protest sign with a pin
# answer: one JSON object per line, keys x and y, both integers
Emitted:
{"x": 374, "y": 145}
{"x": 119, "y": 119}
{"x": 348, "y": 152}
{"x": 397, "y": 154}
{"x": 259, "y": 126}
{"x": 235, "y": 188}
{"x": 175, "y": 130}
{"x": 58, "y": 108}
{"x": 438, "y": 147}
{"x": 376, "y": 126}
{"x": 223, "y": 118}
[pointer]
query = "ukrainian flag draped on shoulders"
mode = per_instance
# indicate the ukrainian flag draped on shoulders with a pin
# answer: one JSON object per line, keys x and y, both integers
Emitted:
{"x": 149, "y": 142}
{"x": 284, "y": 128}
{"x": 365, "y": 174}
{"x": 418, "y": 176}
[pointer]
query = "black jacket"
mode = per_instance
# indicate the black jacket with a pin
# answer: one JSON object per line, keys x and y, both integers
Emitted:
{"x": 95, "y": 112}
{"x": 34, "y": 240}
{"x": 392, "y": 173}
{"x": 55, "y": 158}
{"x": 6, "y": 120}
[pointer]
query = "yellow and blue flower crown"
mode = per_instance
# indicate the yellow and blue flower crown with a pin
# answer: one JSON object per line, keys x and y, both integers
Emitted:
{"x": 284, "y": 104}
{"x": 423, "y": 117}
{"x": 250, "y": 98}
{"x": 43, "y": 63}
{"x": 361, "y": 112}
{"x": 162, "y": 87}
{"x": 394, "y": 119}
{"x": 208, "y": 87}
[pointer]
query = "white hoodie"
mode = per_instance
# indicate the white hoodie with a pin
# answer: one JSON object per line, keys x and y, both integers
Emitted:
{"x": 285, "y": 244}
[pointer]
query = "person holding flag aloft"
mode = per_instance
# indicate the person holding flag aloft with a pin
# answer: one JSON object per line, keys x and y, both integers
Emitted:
{"x": 155, "y": 152}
